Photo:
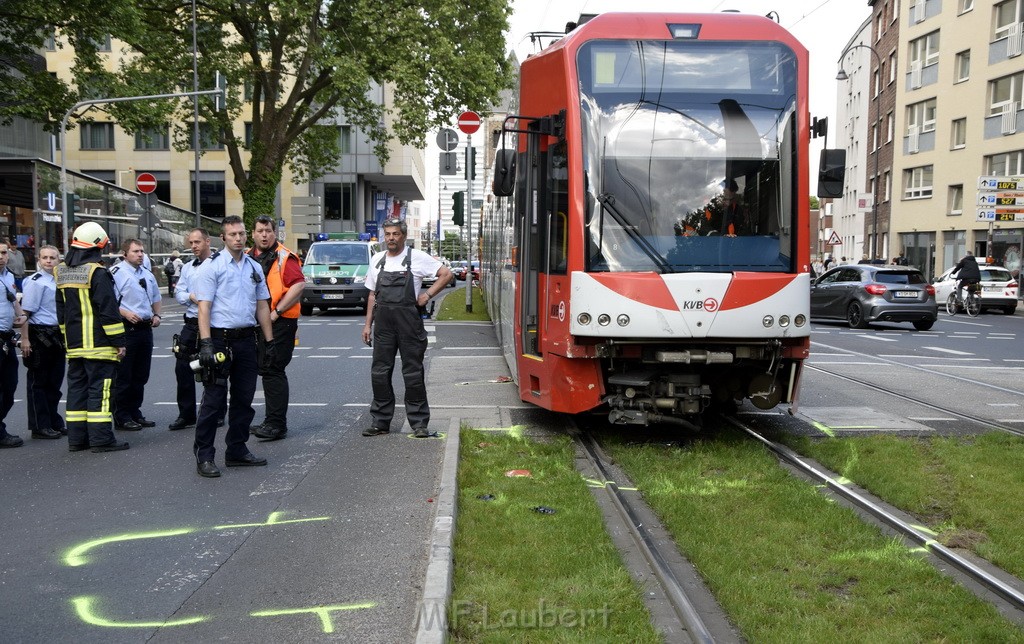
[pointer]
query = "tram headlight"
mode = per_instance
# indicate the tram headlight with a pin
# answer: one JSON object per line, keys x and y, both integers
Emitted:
{"x": 604, "y": 319}
{"x": 784, "y": 320}
{"x": 583, "y": 319}
{"x": 800, "y": 320}
{"x": 623, "y": 319}
{"x": 767, "y": 321}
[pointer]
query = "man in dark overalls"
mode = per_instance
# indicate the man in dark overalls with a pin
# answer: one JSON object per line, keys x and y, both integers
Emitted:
{"x": 394, "y": 322}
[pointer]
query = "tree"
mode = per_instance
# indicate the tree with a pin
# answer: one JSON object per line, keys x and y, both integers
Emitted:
{"x": 288, "y": 66}
{"x": 815, "y": 204}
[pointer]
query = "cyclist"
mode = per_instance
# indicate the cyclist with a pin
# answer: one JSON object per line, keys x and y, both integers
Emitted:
{"x": 968, "y": 273}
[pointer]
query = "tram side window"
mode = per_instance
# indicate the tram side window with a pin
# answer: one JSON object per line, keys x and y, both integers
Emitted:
{"x": 558, "y": 208}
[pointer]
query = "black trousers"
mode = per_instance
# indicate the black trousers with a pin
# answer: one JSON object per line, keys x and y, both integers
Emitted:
{"x": 88, "y": 412}
{"x": 238, "y": 376}
{"x": 8, "y": 378}
{"x": 43, "y": 380}
{"x": 188, "y": 343}
{"x": 133, "y": 372}
{"x": 275, "y": 379}
{"x": 398, "y": 328}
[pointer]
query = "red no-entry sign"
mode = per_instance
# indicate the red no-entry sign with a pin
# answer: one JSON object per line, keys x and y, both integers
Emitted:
{"x": 469, "y": 122}
{"x": 146, "y": 183}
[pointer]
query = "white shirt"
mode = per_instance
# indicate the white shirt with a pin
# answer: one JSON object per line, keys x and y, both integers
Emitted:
{"x": 423, "y": 265}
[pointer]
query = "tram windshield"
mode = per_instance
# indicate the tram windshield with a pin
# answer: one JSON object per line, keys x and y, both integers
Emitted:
{"x": 689, "y": 155}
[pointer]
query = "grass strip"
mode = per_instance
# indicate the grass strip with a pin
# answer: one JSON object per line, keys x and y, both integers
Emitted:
{"x": 526, "y": 576}
{"x": 787, "y": 563}
{"x": 453, "y": 307}
{"x": 966, "y": 489}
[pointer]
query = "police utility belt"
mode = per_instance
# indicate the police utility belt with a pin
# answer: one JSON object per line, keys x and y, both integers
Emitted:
{"x": 192, "y": 322}
{"x": 233, "y": 334}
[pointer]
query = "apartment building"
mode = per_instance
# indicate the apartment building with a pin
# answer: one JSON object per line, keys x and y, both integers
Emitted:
{"x": 355, "y": 194}
{"x": 957, "y": 78}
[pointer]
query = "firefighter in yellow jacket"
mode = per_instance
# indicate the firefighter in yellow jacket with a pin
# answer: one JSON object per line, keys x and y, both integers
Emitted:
{"x": 94, "y": 335}
{"x": 283, "y": 271}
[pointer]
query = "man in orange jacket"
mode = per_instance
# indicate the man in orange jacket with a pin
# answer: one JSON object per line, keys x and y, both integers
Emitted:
{"x": 283, "y": 271}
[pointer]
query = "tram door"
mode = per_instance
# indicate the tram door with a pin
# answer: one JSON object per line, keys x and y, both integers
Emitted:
{"x": 531, "y": 243}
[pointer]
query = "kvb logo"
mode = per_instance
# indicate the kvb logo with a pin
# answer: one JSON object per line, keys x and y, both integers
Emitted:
{"x": 710, "y": 305}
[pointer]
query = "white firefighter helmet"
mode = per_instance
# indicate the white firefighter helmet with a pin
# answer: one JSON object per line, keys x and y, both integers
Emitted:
{"x": 89, "y": 235}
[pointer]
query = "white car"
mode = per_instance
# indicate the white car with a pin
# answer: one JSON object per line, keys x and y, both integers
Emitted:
{"x": 998, "y": 288}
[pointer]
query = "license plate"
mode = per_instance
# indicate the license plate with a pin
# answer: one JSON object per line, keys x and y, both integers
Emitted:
{"x": 906, "y": 293}
{"x": 334, "y": 296}
{"x": 992, "y": 289}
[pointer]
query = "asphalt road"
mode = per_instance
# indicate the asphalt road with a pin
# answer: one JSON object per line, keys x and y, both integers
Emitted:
{"x": 329, "y": 541}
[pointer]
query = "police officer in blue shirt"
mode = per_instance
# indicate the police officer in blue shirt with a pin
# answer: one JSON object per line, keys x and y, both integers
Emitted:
{"x": 186, "y": 345}
{"x": 233, "y": 297}
{"x": 42, "y": 348}
{"x": 139, "y": 300}
{"x": 11, "y": 316}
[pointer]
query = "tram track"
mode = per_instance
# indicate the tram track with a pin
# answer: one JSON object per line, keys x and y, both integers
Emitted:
{"x": 987, "y": 422}
{"x": 1003, "y": 585}
{"x": 625, "y": 513}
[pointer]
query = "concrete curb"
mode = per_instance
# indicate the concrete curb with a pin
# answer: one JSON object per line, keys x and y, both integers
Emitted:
{"x": 432, "y": 617}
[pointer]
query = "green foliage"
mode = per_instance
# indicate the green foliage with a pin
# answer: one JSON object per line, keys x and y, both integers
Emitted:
{"x": 815, "y": 204}
{"x": 453, "y": 246}
{"x": 289, "y": 65}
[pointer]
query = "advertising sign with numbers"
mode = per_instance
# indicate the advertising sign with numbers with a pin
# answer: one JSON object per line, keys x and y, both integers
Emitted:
{"x": 1000, "y": 199}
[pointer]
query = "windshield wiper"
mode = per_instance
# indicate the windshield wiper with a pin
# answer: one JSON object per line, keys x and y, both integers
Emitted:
{"x": 608, "y": 201}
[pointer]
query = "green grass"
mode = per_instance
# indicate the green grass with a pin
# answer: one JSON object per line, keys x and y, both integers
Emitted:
{"x": 788, "y": 564}
{"x": 965, "y": 489}
{"x": 453, "y": 307}
{"x": 523, "y": 576}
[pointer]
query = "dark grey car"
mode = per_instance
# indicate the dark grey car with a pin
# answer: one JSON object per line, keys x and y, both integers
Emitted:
{"x": 864, "y": 293}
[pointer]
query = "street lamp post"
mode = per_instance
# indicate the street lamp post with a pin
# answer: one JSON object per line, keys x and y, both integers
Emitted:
{"x": 841, "y": 76}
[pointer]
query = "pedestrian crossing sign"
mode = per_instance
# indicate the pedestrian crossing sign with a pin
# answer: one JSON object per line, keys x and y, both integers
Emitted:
{"x": 834, "y": 239}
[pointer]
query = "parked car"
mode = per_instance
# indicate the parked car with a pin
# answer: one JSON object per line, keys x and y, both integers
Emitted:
{"x": 864, "y": 293}
{"x": 998, "y": 288}
{"x": 335, "y": 273}
{"x": 460, "y": 270}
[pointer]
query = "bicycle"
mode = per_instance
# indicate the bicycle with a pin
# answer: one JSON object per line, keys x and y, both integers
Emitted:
{"x": 972, "y": 304}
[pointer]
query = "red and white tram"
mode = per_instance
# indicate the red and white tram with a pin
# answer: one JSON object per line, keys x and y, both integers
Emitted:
{"x": 652, "y": 253}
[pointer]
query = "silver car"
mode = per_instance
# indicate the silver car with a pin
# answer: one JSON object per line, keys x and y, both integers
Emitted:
{"x": 864, "y": 293}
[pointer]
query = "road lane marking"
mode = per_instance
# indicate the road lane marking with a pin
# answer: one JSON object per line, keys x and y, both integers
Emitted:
{"x": 952, "y": 351}
{"x": 324, "y": 356}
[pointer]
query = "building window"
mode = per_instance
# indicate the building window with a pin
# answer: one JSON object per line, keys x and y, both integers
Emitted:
{"x": 50, "y": 42}
{"x": 339, "y": 201}
{"x": 878, "y": 25}
{"x": 248, "y": 135}
{"x": 211, "y": 193}
{"x": 959, "y": 134}
{"x": 103, "y": 175}
{"x": 965, "y": 5}
{"x": 345, "y": 139}
{"x": 962, "y": 68}
{"x": 1006, "y": 14}
{"x": 874, "y": 138}
{"x": 890, "y": 127}
{"x": 892, "y": 67}
{"x": 925, "y": 50}
{"x": 917, "y": 182}
{"x": 97, "y": 136}
{"x": 153, "y": 138}
{"x": 896, "y": 10}
{"x": 887, "y": 185}
{"x": 209, "y": 137}
{"x": 1005, "y": 164}
{"x": 921, "y": 115}
{"x": 1005, "y": 93}
{"x": 956, "y": 200}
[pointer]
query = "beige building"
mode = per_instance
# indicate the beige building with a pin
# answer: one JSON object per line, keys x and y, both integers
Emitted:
{"x": 957, "y": 75}
{"x": 355, "y": 195}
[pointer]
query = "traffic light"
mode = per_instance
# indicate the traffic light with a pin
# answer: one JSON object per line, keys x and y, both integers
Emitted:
{"x": 76, "y": 206}
{"x": 459, "y": 208}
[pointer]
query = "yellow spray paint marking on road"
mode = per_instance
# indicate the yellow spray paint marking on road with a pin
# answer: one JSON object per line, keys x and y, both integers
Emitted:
{"x": 271, "y": 520}
{"x": 516, "y": 431}
{"x": 597, "y": 483}
{"x": 824, "y": 429}
{"x": 83, "y": 607}
{"x": 76, "y": 555}
{"x": 324, "y": 612}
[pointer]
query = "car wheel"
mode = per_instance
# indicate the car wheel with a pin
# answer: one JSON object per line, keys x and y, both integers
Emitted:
{"x": 1009, "y": 310}
{"x": 306, "y": 309}
{"x": 855, "y": 316}
{"x": 924, "y": 325}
